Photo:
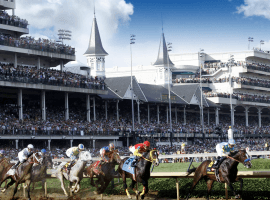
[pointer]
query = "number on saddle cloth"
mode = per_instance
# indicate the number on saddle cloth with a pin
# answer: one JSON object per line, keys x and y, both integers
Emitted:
{"x": 127, "y": 165}
{"x": 96, "y": 167}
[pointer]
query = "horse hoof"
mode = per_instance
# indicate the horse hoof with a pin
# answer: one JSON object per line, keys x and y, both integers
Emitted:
{"x": 129, "y": 197}
{"x": 3, "y": 190}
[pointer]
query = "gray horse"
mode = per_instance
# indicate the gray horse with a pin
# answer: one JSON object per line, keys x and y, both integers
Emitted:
{"x": 76, "y": 172}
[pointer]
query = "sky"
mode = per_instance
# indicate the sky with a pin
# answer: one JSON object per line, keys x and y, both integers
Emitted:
{"x": 190, "y": 25}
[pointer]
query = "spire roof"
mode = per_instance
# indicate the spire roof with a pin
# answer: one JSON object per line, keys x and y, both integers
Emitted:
{"x": 95, "y": 45}
{"x": 162, "y": 58}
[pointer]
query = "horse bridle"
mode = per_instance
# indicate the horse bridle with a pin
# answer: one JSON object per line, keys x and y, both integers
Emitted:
{"x": 39, "y": 160}
{"x": 246, "y": 160}
{"x": 150, "y": 157}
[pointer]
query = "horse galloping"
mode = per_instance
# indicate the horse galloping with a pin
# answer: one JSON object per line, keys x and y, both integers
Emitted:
{"x": 21, "y": 174}
{"x": 142, "y": 172}
{"x": 227, "y": 172}
{"x": 107, "y": 169}
{"x": 76, "y": 172}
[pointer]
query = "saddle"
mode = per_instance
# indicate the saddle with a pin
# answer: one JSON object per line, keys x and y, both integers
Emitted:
{"x": 66, "y": 166}
{"x": 210, "y": 169}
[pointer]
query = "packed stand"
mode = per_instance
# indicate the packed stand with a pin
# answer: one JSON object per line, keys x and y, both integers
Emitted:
{"x": 12, "y": 20}
{"x": 47, "y": 76}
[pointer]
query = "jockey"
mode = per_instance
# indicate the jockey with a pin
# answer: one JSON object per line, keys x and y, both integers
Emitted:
{"x": 104, "y": 150}
{"x": 73, "y": 154}
{"x": 42, "y": 152}
{"x": 24, "y": 155}
{"x": 137, "y": 149}
{"x": 223, "y": 150}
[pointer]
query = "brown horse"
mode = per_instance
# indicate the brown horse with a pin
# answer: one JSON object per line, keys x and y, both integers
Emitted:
{"x": 21, "y": 174}
{"x": 107, "y": 174}
{"x": 142, "y": 172}
{"x": 227, "y": 172}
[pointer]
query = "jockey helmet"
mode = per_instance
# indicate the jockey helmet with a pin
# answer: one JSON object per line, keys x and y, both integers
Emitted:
{"x": 146, "y": 143}
{"x": 2, "y": 152}
{"x": 111, "y": 146}
{"x": 30, "y": 146}
{"x": 230, "y": 127}
{"x": 81, "y": 147}
{"x": 231, "y": 141}
{"x": 43, "y": 150}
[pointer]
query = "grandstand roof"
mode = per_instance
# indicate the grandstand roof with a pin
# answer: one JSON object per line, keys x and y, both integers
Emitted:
{"x": 95, "y": 46}
{"x": 110, "y": 95}
{"x": 162, "y": 58}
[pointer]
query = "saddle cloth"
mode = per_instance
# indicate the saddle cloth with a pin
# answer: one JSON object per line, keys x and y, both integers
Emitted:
{"x": 209, "y": 169}
{"x": 127, "y": 165}
{"x": 96, "y": 168}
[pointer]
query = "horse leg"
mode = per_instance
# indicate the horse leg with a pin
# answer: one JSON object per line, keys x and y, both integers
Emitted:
{"x": 132, "y": 187}
{"x": 125, "y": 184}
{"x": 101, "y": 182}
{"x": 145, "y": 188}
{"x": 28, "y": 183}
{"x": 33, "y": 186}
{"x": 105, "y": 186}
{"x": 209, "y": 187}
{"x": 241, "y": 186}
{"x": 61, "y": 178}
{"x": 227, "y": 180}
{"x": 15, "y": 189}
{"x": 76, "y": 184}
{"x": 8, "y": 185}
{"x": 196, "y": 179}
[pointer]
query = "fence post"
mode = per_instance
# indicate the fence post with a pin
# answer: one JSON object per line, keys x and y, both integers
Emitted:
{"x": 45, "y": 187}
{"x": 226, "y": 191}
{"x": 177, "y": 189}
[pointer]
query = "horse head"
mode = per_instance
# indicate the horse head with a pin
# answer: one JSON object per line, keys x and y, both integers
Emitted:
{"x": 152, "y": 156}
{"x": 242, "y": 157}
{"x": 36, "y": 158}
{"x": 114, "y": 156}
{"x": 85, "y": 156}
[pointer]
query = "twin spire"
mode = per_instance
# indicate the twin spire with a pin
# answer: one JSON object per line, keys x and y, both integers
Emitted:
{"x": 95, "y": 45}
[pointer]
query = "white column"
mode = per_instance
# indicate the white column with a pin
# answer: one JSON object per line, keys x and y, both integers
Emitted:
{"x": 49, "y": 145}
{"x": 158, "y": 114}
{"x": 94, "y": 144}
{"x": 148, "y": 109}
{"x": 260, "y": 116}
{"x": 208, "y": 117}
{"x": 233, "y": 114}
{"x": 185, "y": 120}
{"x": 175, "y": 110}
{"x": 61, "y": 65}
{"x": 117, "y": 110}
{"x": 71, "y": 143}
{"x": 13, "y": 11}
{"x": 138, "y": 106}
{"x": 167, "y": 110}
{"x": 15, "y": 60}
{"x": 43, "y": 105}
{"x": 88, "y": 112}
{"x": 38, "y": 62}
{"x": 246, "y": 114}
{"x": 66, "y": 107}
{"x": 127, "y": 141}
{"x": 94, "y": 107}
{"x": 217, "y": 116}
{"x": 17, "y": 144}
{"x": 106, "y": 110}
{"x": 20, "y": 106}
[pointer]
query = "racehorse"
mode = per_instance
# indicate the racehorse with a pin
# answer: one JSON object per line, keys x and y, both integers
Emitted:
{"x": 21, "y": 174}
{"x": 39, "y": 172}
{"x": 76, "y": 172}
{"x": 142, "y": 172}
{"x": 107, "y": 171}
{"x": 4, "y": 162}
{"x": 227, "y": 172}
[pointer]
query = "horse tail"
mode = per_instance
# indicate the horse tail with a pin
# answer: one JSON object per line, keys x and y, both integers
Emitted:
{"x": 191, "y": 171}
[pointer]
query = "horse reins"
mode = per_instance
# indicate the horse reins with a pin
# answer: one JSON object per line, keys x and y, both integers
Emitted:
{"x": 246, "y": 160}
{"x": 151, "y": 152}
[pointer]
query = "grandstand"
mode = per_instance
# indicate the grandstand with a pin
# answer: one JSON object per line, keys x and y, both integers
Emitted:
{"x": 60, "y": 108}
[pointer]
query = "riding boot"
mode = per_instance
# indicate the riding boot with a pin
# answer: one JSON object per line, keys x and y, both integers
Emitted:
{"x": 216, "y": 163}
{"x": 134, "y": 163}
{"x": 16, "y": 165}
{"x": 69, "y": 167}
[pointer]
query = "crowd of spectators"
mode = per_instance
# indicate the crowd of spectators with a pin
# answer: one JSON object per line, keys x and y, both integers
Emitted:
{"x": 241, "y": 96}
{"x": 12, "y": 20}
{"x": 47, "y": 76}
{"x": 28, "y": 42}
